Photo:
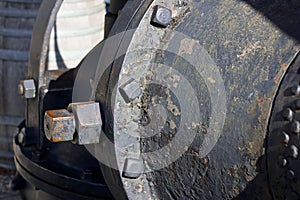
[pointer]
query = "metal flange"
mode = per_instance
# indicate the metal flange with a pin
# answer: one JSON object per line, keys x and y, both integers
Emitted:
{"x": 283, "y": 139}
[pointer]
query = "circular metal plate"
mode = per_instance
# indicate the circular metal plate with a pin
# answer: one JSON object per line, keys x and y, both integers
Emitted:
{"x": 240, "y": 51}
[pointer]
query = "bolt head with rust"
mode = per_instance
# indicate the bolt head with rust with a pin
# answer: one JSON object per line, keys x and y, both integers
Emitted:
{"x": 27, "y": 88}
{"x": 88, "y": 122}
{"x": 130, "y": 90}
{"x": 59, "y": 125}
{"x": 161, "y": 16}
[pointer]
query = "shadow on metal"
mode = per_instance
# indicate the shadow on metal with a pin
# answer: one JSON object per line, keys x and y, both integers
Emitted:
{"x": 284, "y": 14}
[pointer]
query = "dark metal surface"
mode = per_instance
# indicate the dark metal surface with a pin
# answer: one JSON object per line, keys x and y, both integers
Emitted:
{"x": 59, "y": 170}
{"x": 64, "y": 170}
{"x": 47, "y": 177}
{"x": 116, "y": 5}
{"x": 283, "y": 139}
{"x": 114, "y": 8}
{"x": 252, "y": 50}
{"x": 252, "y": 54}
{"x": 37, "y": 61}
{"x": 129, "y": 18}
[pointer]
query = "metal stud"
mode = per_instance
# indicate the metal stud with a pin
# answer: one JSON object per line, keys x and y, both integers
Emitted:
{"x": 294, "y": 151}
{"x": 88, "y": 122}
{"x": 290, "y": 174}
{"x": 130, "y": 90}
{"x": 59, "y": 125}
{"x": 21, "y": 138}
{"x": 285, "y": 138}
{"x": 27, "y": 88}
{"x": 161, "y": 16}
{"x": 282, "y": 161}
{"x": 295, "y": 90}
{"x": 287, "y": 114}
{"x": 133, "y": 168}
{"x": 295, "y": 127}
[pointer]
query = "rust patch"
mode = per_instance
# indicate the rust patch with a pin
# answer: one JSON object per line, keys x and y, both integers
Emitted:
{"x": 280, "y": 73}
{"x": 59, "y": 125}
{"x": 206, "y": 160}
{"x": 250, "y": 148}
{"x": 58, "y": 113}
{"x": 263, "y": 104}
{"x": 248, "y": 177}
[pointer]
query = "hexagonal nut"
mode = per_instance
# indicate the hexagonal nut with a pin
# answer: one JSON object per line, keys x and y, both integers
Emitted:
{"x": 59, "y": 125}
{"x": 27, "y": 88}
{"x": 130, "y": 90}
{"x": 161, "y": 16}
{"x": 88, "y": 122}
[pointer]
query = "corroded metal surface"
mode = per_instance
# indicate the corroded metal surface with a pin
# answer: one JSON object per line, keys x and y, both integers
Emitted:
{"x": 130, "y": 90}
{"x": 251, "y": 53}
{"x": 88, "y": 122}
{"x": 251, "y": 50}
{"x": 37, "y": 62}
{"x": 161, "y": 16}
{"x": 27, "y": 88}
{"x": 59, "y": 125}
{"x": 242, "y": 53}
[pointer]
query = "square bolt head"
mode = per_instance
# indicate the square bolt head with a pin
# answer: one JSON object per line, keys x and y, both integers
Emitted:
{"x": 133, "y": 168}
{"x": 59, "y": 125}
{"x": 88, "y": 122}
{"x": 161, "y": 16}
{"x": 27, "y": 88}
{"x": 130, "y": 90}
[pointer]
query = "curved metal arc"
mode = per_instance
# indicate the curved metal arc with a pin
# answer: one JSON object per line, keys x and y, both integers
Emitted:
{"x": 38, "y": 56}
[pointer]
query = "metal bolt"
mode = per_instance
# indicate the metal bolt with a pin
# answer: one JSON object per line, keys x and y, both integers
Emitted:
{"x": 287, "y": 114}
{"x": 294, "y": 151}
{"x": 133, "y": 168}
{"x": 21, "y": 138}
{"x": 161, "y": 16}
{"x": 27, "y": 89}
{"x": 21, "y": 89}
{"x": 44, "y": 90}
{"x": 285, "y": 138}
{"x": 295, "y": 127}
{"x": 295, "y": 90}
{"x": 59, "y": 125}
{"x": 282, "y": 161}
{"x": 290, "y": 174}
{"x": 88, "y": 122}
{"x": 130, "y": 90}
